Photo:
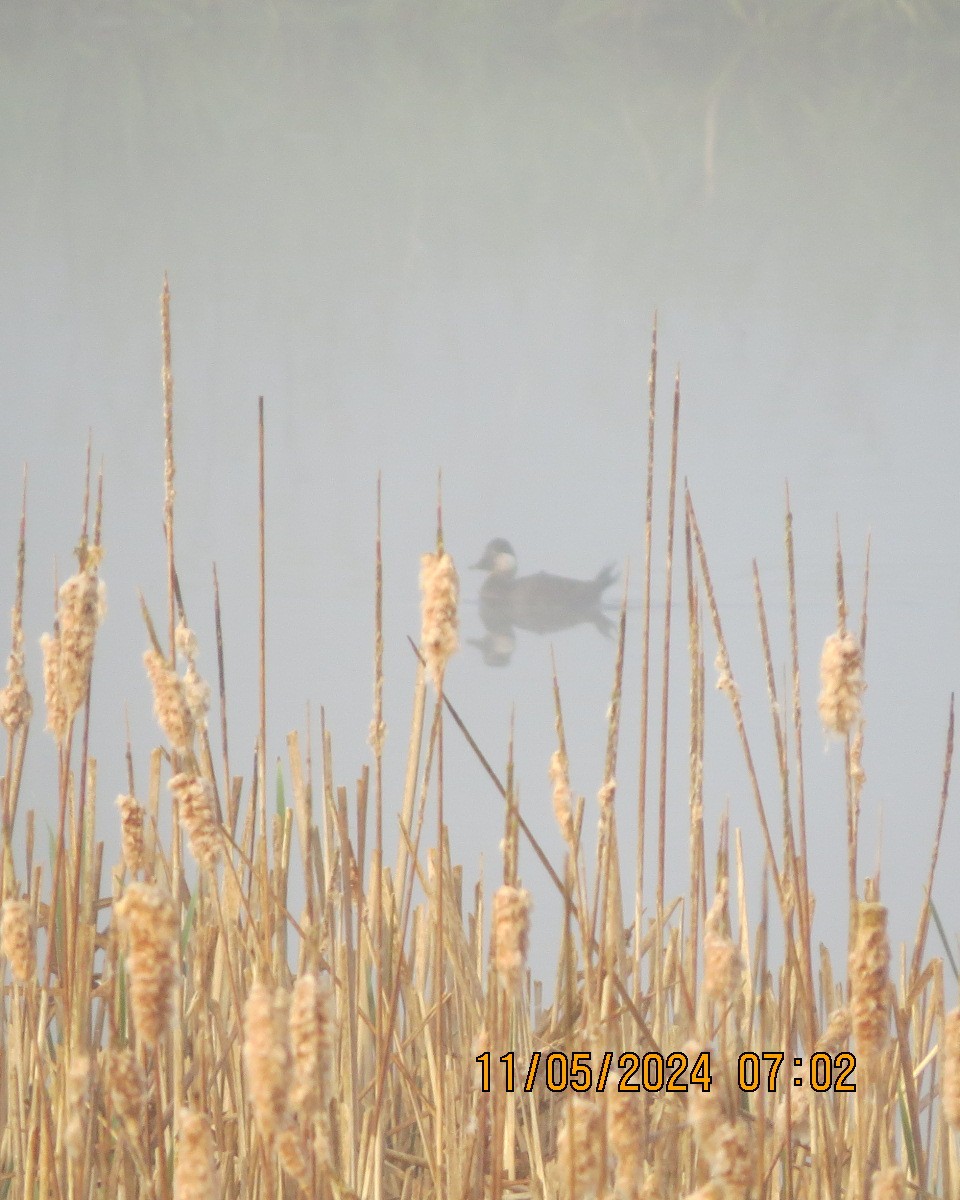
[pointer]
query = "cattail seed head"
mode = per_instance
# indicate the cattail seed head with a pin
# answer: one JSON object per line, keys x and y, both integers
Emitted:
{"x": 312, "y": 1041}
{"x": 837, "y": 1033}
{"x": 292, "y": 1153}
{"x": 18, "y": 938}
{"x": 721, "y": 958}
{"x": 195, "y": 1177}
{"x": 625, "y": 1130}
{"x": 888, "y": 1184}
{"x": 131, "y": 834}
{"x": 77, "y": 1096}
{"x": 148, "y": 923}
{"x": 439, "y": 588}
{"x": 266, "y": 1056}
{"x": 196, "y": 690}
{"x": 82, "y": 607}
{"x": 511, "y": 935}
{"x": 169, "y": 701}
{"x": 841, "y": 674}
{"x": 869, "y": 965}
{"x": 951, "y": 1068}
{"x": 197, "y": 808}
{"x": 562, "y": 805}
{"x": 127, "y": 1087}
{"x": 53, "y": 696}
{"x": 16, "y": 706}
{"x": 580, "y": 1150}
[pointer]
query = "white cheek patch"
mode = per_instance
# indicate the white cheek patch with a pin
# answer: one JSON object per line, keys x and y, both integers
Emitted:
{"x": 504, "y": 563}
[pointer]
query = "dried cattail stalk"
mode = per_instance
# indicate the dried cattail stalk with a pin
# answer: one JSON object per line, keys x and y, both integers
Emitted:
{"x": 77, "y": 1098}
{"x": 562, "y": 805}
{"x": 511, "y": 935}
{"x": 312, "y": 1041}
{"x": 266, "y": 1056}
{"x": 16, "y": 707}
{"x": 18, "y": 938}
{"x": 195, "y": 1177}
{"x": 869, "y": 964}
{"x": 888, "y": 1184}
{"x": 83, "y": 605}
{"x": 169, "y": 701}
{"x": 131, "y": 834}
{"x": 439, "y": 587}
{"x": 148, "y": 922}
{"x": 127, "y": 1086}
{"x": 197, "y": 807}
{"x": 580, "y": 1150}
{"x": 53, "y": 696}
{"x": 951, "y": 1068}
{"x": 721, "y": 958}
{"x": 841, "y": 673}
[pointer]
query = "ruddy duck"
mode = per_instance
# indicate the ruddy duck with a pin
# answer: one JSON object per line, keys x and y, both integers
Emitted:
{"x": 539, "y": 603}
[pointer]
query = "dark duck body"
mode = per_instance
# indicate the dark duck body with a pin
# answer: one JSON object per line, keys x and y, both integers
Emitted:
{"x": 540, "y": 603}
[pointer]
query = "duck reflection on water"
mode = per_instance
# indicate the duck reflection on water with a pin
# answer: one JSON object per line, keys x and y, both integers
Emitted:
{"x": 540, "y": 603}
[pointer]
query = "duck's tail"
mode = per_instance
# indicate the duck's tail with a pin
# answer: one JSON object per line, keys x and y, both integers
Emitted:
{"x": 605, "y": 577}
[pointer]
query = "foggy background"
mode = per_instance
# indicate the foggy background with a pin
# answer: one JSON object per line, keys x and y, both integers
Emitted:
{"x": 434, "y": 237}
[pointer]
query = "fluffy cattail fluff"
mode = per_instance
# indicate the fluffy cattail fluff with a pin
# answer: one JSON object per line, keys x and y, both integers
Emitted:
{"x": 197, "y": 807}
{"x": 53, "y": 696}
{"x": 17, "y": 938}
{"x": 148, "y": 922}
{"x": 127, "y": 1087}
{"x": 196, "y": 690}
{"x": 606, "y": 794}
{"x": 951, "y": 1068}
{"x": 625, "y": 1131}
{"x": 710, "y": 1191}
{"x": 292, "y": 1153}
{"x": 580, "y": 1150}
{"x": 83, "y": 605}
{"x": 841, "y": 673}
{"x": 795, "y": 1123}
{"x": 721, "y": 958}
{"x": 439, "y": 588}
{"x": 312, "y": 1041}
{"x": 169, "y": 701}
{"x": 266, "y": 1056}
{"x": 837, "y": 1033}
{"x": 77, "y": 1096}
{"x": 195, "y": 1176}
{"x": 869, "y": 963}
{"x": 727, "y": 1147}
{"x": 15, "y": 703}
{"x": 562, "y": 806}
{"x": 888, "y": 1184}
{"x": 511, "y": 935}
{"x": 732, "y": 1158}
{"x": 131, "y": 834}
{"x": 725, "y": 681}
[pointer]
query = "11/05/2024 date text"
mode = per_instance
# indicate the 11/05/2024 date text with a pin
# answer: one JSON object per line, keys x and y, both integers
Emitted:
{"x": 654, "y": 1072}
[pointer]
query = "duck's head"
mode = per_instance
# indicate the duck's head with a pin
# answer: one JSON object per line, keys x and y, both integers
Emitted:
{"x": 498, "y": 558}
